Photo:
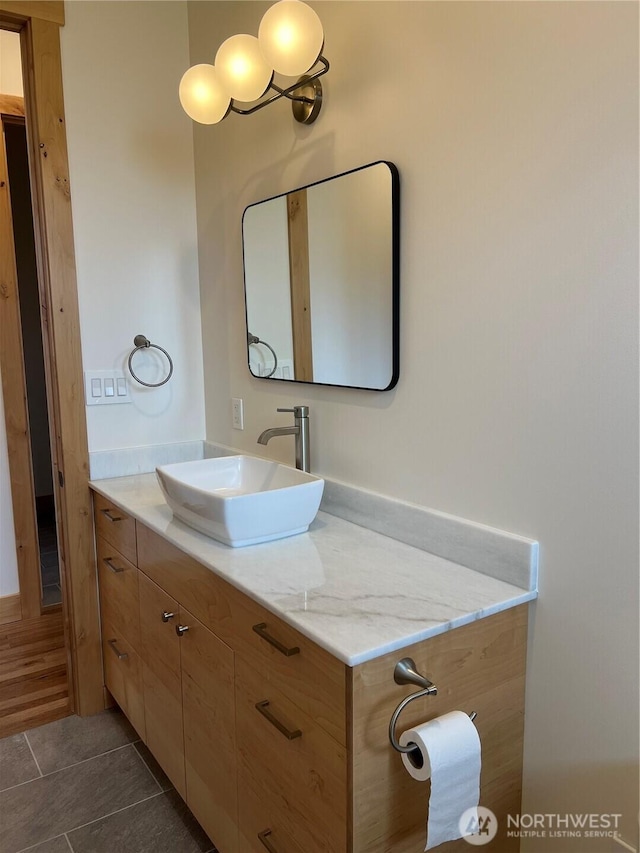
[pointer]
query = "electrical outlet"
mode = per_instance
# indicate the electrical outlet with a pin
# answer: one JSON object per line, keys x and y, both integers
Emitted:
{"x": 237, "y": 413}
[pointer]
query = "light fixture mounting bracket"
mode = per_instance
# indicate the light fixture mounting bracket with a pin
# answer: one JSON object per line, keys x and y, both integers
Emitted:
{"x": 308, "y": 100}
{"x": 305, "y": 95}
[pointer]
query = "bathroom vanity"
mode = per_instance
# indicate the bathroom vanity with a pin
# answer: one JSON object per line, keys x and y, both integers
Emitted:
{"x": 261, "y": 678}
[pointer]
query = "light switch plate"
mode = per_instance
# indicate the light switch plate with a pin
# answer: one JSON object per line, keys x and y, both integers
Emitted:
{"x": 105, "y": 387}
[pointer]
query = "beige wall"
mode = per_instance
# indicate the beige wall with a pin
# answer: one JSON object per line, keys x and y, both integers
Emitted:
{"x": 10, "y": 64}
{"x": 515, "y": 130}
{"x": 131, "y": 169}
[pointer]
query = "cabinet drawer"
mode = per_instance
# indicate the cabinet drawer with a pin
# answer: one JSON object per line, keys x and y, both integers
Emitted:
{"x": 291, "y": 765}
{"x": 309, "y": 676}
{"x": 118, "y": 582}
{"x": 262, "y": 829}
{"x": 123, "y": 676}
{"x": 116, "y": 527}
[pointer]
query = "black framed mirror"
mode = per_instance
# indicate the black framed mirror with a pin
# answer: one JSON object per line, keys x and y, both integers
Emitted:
{"x": 322, "y": 281}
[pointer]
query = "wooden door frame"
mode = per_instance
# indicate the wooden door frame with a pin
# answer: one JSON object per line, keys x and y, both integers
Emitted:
{"x": 39, "y": 22}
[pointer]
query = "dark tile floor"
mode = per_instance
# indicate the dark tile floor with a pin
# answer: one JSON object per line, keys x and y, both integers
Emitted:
{"x": 49, "y": 564}
{"x": 88, "y": 785}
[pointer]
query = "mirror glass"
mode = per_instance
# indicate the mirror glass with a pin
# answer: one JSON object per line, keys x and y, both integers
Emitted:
{"x": 321, "y": 276}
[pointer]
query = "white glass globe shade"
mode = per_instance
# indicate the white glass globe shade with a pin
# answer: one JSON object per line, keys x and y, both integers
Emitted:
{"x": 202, "y": 97}
{"x": 243, "y": 71}
{"x": 291, "y": 37}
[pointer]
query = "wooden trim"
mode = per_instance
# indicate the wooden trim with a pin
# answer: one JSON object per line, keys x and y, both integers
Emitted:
{"x": 300, "y": 284}
{"x": 42, "y": 71}
{"x": 18, "y": 12}
{"x": 10, "y": 608}
{"x": 11, "y": 105}
{"x": 15, "y": 408}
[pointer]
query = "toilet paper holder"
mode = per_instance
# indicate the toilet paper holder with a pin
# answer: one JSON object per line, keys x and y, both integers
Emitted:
{"x": 405, "y": 672}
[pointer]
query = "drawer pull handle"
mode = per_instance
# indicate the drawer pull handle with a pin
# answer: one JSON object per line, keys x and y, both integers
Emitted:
{"x": 181, "y": 629}
{"x": 166, "y": 615}
{"x": 108, "y": 514}
{"x": 262, "y": 707}
{"x": 263, "y": 838}
{"x": 261, "y": 631}
{"x": 108, "y": 561}
{"x": 120, "y": 655}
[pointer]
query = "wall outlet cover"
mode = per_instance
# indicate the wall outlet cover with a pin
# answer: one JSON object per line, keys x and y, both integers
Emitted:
{"x": 237, "y": 413}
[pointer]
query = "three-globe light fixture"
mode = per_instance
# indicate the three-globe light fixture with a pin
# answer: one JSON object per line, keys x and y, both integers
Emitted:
{"x": 290, "y": 40}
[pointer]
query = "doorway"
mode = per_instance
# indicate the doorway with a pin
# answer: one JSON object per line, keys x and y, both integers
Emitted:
{"x": 35, "y": 388}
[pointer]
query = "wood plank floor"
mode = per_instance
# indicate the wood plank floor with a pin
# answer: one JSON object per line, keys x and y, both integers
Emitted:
{"x": 33, "y": 673}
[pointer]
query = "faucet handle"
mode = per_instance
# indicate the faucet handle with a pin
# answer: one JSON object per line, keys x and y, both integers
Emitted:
{"x": 298, "y": 411}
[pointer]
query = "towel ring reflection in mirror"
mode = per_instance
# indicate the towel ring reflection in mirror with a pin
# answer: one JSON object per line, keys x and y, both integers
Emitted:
{"x": 141, "y": 342}
{"x": 254, "y": 339}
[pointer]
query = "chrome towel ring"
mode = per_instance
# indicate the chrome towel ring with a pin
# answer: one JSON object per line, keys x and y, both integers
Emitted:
{"x": 141, "y": 342}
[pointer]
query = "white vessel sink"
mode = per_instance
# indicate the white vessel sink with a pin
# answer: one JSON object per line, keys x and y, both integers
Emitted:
{"x": 241, "y": 500}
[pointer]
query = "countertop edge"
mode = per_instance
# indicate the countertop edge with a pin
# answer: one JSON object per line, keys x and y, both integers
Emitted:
{"x": 429, "y": 631}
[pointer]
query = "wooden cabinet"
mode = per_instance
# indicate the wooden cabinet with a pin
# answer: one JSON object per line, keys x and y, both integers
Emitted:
{"x": 188, "y": 677}
{"x": 276, "y": 746}
{"x": 478, "y": 667}
{"x": 118, "y": 581}
{"x": 162, "y": 678}
{"x": 293, "y": 768}
{"x": 310, "y": 677}
{"x": 208, "y": 703}
{"x": 176, "y": 686}
{"x": 115, "y": 527}
{"x": 123, "y": 676}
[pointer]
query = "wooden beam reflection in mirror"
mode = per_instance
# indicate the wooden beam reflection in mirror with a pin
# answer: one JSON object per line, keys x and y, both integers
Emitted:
{"x": 297, "y": 223}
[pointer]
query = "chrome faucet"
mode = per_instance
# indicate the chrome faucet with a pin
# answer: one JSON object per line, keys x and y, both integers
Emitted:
{"x": 301, "y": 431}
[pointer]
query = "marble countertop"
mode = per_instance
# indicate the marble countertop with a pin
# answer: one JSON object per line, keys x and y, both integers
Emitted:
{"x": 356, "y": 593}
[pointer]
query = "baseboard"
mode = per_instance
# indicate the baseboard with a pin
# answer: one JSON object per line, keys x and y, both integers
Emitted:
{"x": 10, "y": 608}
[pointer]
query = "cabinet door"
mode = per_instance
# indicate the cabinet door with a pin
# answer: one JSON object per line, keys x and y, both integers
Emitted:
{"x": 160, "y": 650}
{"x": 209, "y": 731}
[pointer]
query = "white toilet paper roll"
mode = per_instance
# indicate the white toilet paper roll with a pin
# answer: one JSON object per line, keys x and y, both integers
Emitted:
{"x": 449, "y": 750}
